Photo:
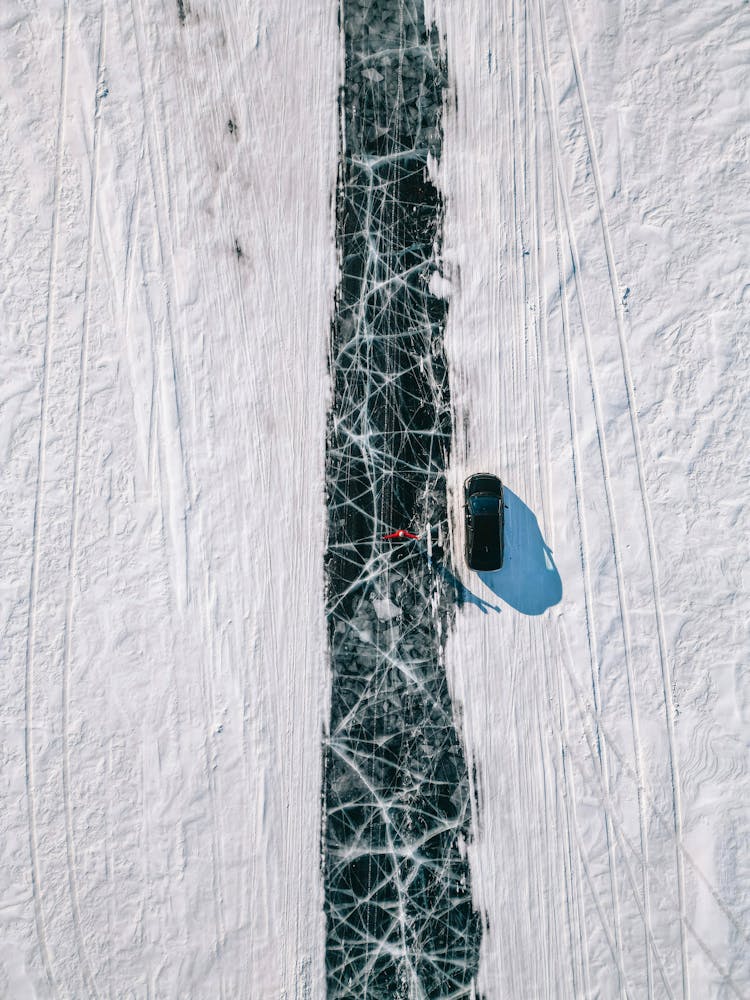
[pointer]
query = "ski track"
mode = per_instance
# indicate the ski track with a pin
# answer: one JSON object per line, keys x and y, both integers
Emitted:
{"x": 608, "y": 806}
{"x": 590, "y": 713}
{"x": 616, "y": 948}
{"x": 74, "y": 525}
{"x": 616, "y": 544}
{"x": 208, "y": 818}
{"x": 179, "y": 485}
{"x": 585, "y": 564}
{"x": 648, "y": 521}
{"x": 36, "y": 883}
{"x": 539, "y": 158}
{"x": 580, "y": 505}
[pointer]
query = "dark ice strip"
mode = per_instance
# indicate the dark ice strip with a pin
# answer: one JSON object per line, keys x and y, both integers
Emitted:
{"x": 400, "y": 919}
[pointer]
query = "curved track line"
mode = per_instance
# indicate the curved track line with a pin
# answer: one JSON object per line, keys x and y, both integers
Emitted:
{"x": 607, "y": 805}
{"x": 550, "y": 751}
{"x": 600, "y": 727}
{"x": 536, "y": 211}
{"x": 73, "y": 543}
{"x": 165, "y": 413}
{"x": 584, "y": 710}
{"x": 201, "y": 569}
{"x": 580, "y": 508}
{"x": 527, "y": 213}
{"x": 614, "y": 944}
{"x": 583, "y": 550}
{"x": 540, "y": 326}
{"x": 572, "y": 820}
{"x": 586, "y": 569}
{"x": 213, "y": 783}
{"x": 633, "y": 414}
{"x": 518, "y": 288}
{"x": 623, "y": 844}
{"x": 158, "y": 172}
{"x": 606, "y": 477}
{"x": 39, "y": 511}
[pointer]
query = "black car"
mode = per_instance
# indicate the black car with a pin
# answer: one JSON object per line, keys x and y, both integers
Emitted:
{"x": 485, "y": 521}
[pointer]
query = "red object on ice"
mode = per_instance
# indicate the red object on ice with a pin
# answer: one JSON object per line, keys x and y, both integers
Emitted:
{"x": 400, "y": 534}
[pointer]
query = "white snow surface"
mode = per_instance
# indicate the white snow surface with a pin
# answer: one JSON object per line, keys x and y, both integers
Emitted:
{"x": 164, "y": 400}
{"x": 167, "y": 291}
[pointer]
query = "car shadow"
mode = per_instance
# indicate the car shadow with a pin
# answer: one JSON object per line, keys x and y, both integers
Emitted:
{"x": 465, "y": 596}
{"x": 528, "y": 581}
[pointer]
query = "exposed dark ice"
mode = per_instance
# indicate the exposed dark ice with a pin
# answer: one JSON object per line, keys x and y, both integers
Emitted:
{"x": 400, "y": 917}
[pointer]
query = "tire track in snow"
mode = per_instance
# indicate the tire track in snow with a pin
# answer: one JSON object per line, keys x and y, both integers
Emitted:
{"x": 600, "y": 727}
{"x": 88, "y": 974}
{"x": 180, "y": 491}
{"x": 519, "y": 315}
{"x": 266, "y": 560}
{"x": 606, "y": 479}
{"x": 274, "y": 258}
{"x": 197, "y": 569}
{"x": 203, "y": 528}
{"x": 266, "y": 245}
{"x": 564, "y": 803}
{"x": 536, "y": 373}
{"x": 518, "y": 412}
{"x": 648, "y": 520}
{"x": 565, "y": 654}
{"x": 527, "y": 245}
{"x": 572, "y": 908}
{"x": 584, "y": 558}
{"x": 583, "y": 552}
{"x": 532, "y": 249}
{"x": 212, "y": 775}
{"x": 132, "y": 241}
{"x": 574, "y": 853}
{"x": 536, "y": 203}
{"x": 585, "y": 712}
{"x": 36, "y": 883}
{"x": 528, "y": 249}
{"x": 271, "y": 707}
{"x": 550, "y": 826}
{"x": 124, "y": 306}
{"x": 561, "y": 729}
{"x": 574, "y": 918}
{"x": 169, "y": 479}
{"x": 541, "y": 339}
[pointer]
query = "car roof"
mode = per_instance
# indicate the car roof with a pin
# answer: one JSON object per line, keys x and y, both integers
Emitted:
{"x": 485, "y": 545}
{"x": 484, "y": 503}
{"x": 483, "y": 482}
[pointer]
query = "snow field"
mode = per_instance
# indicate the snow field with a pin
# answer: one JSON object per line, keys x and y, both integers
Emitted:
{"x": 591, "y": 244}
{"x": 165, "y": 403}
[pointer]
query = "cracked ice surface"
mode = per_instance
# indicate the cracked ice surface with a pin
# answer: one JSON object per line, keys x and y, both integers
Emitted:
{"x": 400, "y": 920}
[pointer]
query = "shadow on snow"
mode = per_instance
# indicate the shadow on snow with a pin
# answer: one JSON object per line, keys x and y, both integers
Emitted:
{"x": 528, "y": 581}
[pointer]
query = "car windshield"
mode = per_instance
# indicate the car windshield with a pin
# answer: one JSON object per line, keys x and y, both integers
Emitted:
{"x": 484, "y": 505}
